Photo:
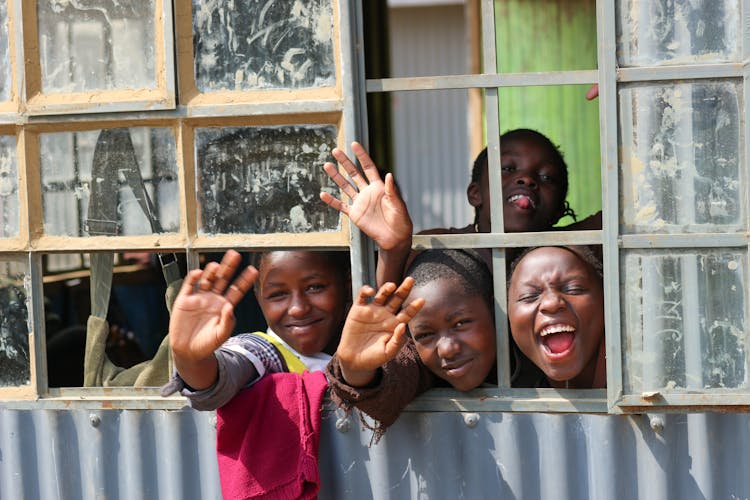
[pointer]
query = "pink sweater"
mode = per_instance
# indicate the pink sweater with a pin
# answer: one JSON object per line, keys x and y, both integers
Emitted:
{"x": 267, "y": 438}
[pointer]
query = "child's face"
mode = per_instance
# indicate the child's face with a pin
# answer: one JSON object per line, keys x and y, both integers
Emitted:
{"x": 556, "y": 312}
{"x": 304, "y": 299}
{"x": 532, "y": 187}
{"x": 454, "y": 335}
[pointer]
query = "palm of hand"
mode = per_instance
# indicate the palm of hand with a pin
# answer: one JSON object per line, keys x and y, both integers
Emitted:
{"x": 381, "y": 216}
{"x": 196, "y": 325}
{"x": 367, "y": 331}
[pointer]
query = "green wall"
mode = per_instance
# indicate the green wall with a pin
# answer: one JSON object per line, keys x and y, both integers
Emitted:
{"x": 554, "y": 35}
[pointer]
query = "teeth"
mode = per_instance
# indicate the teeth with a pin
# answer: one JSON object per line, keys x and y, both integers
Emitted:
{"x": 557, "y": 329}
{"x": 519, "y": 196}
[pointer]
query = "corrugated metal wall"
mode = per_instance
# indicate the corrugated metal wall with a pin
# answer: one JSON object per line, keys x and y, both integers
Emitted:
{"x": 430, "y": 136}
{"x": 128, "y": 454}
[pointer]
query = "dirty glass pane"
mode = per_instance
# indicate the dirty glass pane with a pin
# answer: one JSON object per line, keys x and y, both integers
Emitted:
{"x": 5, "y": 76}
{"x": 681, "y": 164}
{"x": 9, "y": 203}
{"x": 660, "y": 32}
{"x": 685, "y": 313}
{"x": 125, "y": 164}
{"x": 14, "y": 325}
{"x": 96, "y": 45}
{"x": 265, "y": 179}
{"x": 263, "y": 44}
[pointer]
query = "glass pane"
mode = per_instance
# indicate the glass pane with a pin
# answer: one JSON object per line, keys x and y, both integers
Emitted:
{"x": 5, "y": 76}
{"x": 658, "y": 32}
{"x": 263, "y": 45}
{"x": 265, "y": 179}
{"x": 96, "y": 45}
{"x": 681, "y": 158}
{"x": 685, "y": 314}
{"x": 135, "y": 171}
{"x": 14, "y": 325}
{"x": 9, "y": 202}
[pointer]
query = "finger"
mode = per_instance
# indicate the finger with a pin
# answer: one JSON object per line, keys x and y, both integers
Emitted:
{"x": 241, "y": 285}
{"x": 384, "y": 292}
{"x": 340, "y": 180}
{"x": 209, "y": 273}
{"x": 364, "y": 293}
{"x": 350, "y": 168}
{"x": 368, "y": 166}
{"x": 592, "y": 92}
{"x": 396, "y": 342}
{"x": 226, "y": 270}
{"x": 334, "y": 203}
{"x": 190, "y": 282}
{"x": 407, "y": 314}
{"x": 403, "y": 291}
{"x": 226, "y": 324}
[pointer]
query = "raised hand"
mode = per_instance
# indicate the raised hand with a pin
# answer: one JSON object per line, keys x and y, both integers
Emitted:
{"x": 376, "y": 208}
{"x": 375, "y": 331}
{"x": 203, "y": 317}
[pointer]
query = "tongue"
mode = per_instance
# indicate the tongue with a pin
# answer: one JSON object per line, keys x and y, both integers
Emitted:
{"x": 559, "y": 342}
{"x": 523, "y": 202}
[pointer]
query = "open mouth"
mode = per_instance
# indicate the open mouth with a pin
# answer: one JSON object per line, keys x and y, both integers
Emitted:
{"x": 522, "y": 201}
{"x": 558, "y": 339}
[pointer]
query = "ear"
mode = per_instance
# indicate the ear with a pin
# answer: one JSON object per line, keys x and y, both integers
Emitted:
{"x": 474, "y": 195}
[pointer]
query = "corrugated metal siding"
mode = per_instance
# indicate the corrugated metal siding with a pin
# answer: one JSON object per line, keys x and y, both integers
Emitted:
{"x": 430, "y": 136}
{"x": 51, "y": 454}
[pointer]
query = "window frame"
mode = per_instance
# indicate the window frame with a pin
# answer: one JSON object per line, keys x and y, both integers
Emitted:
{"x": 335, "y": 106}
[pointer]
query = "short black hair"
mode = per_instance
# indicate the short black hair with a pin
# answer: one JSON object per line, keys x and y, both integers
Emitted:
{"x": 464, "y": 268}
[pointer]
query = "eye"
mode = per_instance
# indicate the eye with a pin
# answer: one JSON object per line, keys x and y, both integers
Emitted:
{"x": 574, "y": 289}
{"x": 508, "y": 168}
{"x": 528, "y": 298}
{"x": 423, "y": 337}
{"x": 316, "y": 287}
{"x": 546, "y": 178}
{"x": 276, "y": 295}
{"x": 462, "y": 323}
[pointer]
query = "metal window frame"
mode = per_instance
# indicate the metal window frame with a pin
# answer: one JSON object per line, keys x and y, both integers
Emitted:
{"x": 339, "y": 107}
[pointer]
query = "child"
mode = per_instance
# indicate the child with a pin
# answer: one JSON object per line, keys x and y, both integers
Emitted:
{"x": 452, "y": 341}
{"x": 534, "y": 184}
{"x": 304, "y": 296}
{"x": 556, "y": 312}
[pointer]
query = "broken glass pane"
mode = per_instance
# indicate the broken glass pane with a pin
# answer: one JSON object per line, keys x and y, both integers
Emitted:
{"x": 263, "y": 45}
{"x": 14, "y": 325}
{"x": 134, "y": 171}
{"x": 96, "y": 45}
{"x": 681, "y": 158}
{"x": 654, "y": 32}
{"x": 5, "y": 75}
{"x": 265, "y": 179}
{"x": 685, "y": 314}
{"x": 8, "y": 187}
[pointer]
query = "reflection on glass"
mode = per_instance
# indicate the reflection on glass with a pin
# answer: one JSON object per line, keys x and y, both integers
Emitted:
{"x": 96, "y": 45}
{"x": 9, "y": 203}
{"x": 655, "y": 32}
{"x": 263, "y": 45}
{"x": 14, "y": 326}
{"x": 685, "y": 314}
{"x": 264, "y": 179}
{"x": 5, "y": 76}
{"x": 134, "y": 173}
{"x": 681, "y": 158}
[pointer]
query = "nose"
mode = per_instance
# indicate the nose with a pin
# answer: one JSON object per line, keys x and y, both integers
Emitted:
{"x": 448, "y": 347}
{"x": 298, "y": 306}
{"x": 551, "y": 302}
{"x": 526, "y": 180}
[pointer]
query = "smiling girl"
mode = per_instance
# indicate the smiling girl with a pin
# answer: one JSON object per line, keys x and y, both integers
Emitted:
{"x": 556, "y": 312}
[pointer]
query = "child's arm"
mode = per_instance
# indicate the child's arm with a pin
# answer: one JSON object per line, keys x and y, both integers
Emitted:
{"x": 376, "y": 208}
{"x": 203, "y": 318}
{"x": 375, "y": 331}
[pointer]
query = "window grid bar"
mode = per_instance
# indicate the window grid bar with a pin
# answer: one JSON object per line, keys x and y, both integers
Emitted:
{"x": 681, "y": 72}
{"x": 693, "y": 240}
{"x": 507, "y": 240}
{"x": 485, "y": 80}
{"x": 38, "y": 338}
{"x": 606, "y": 48}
